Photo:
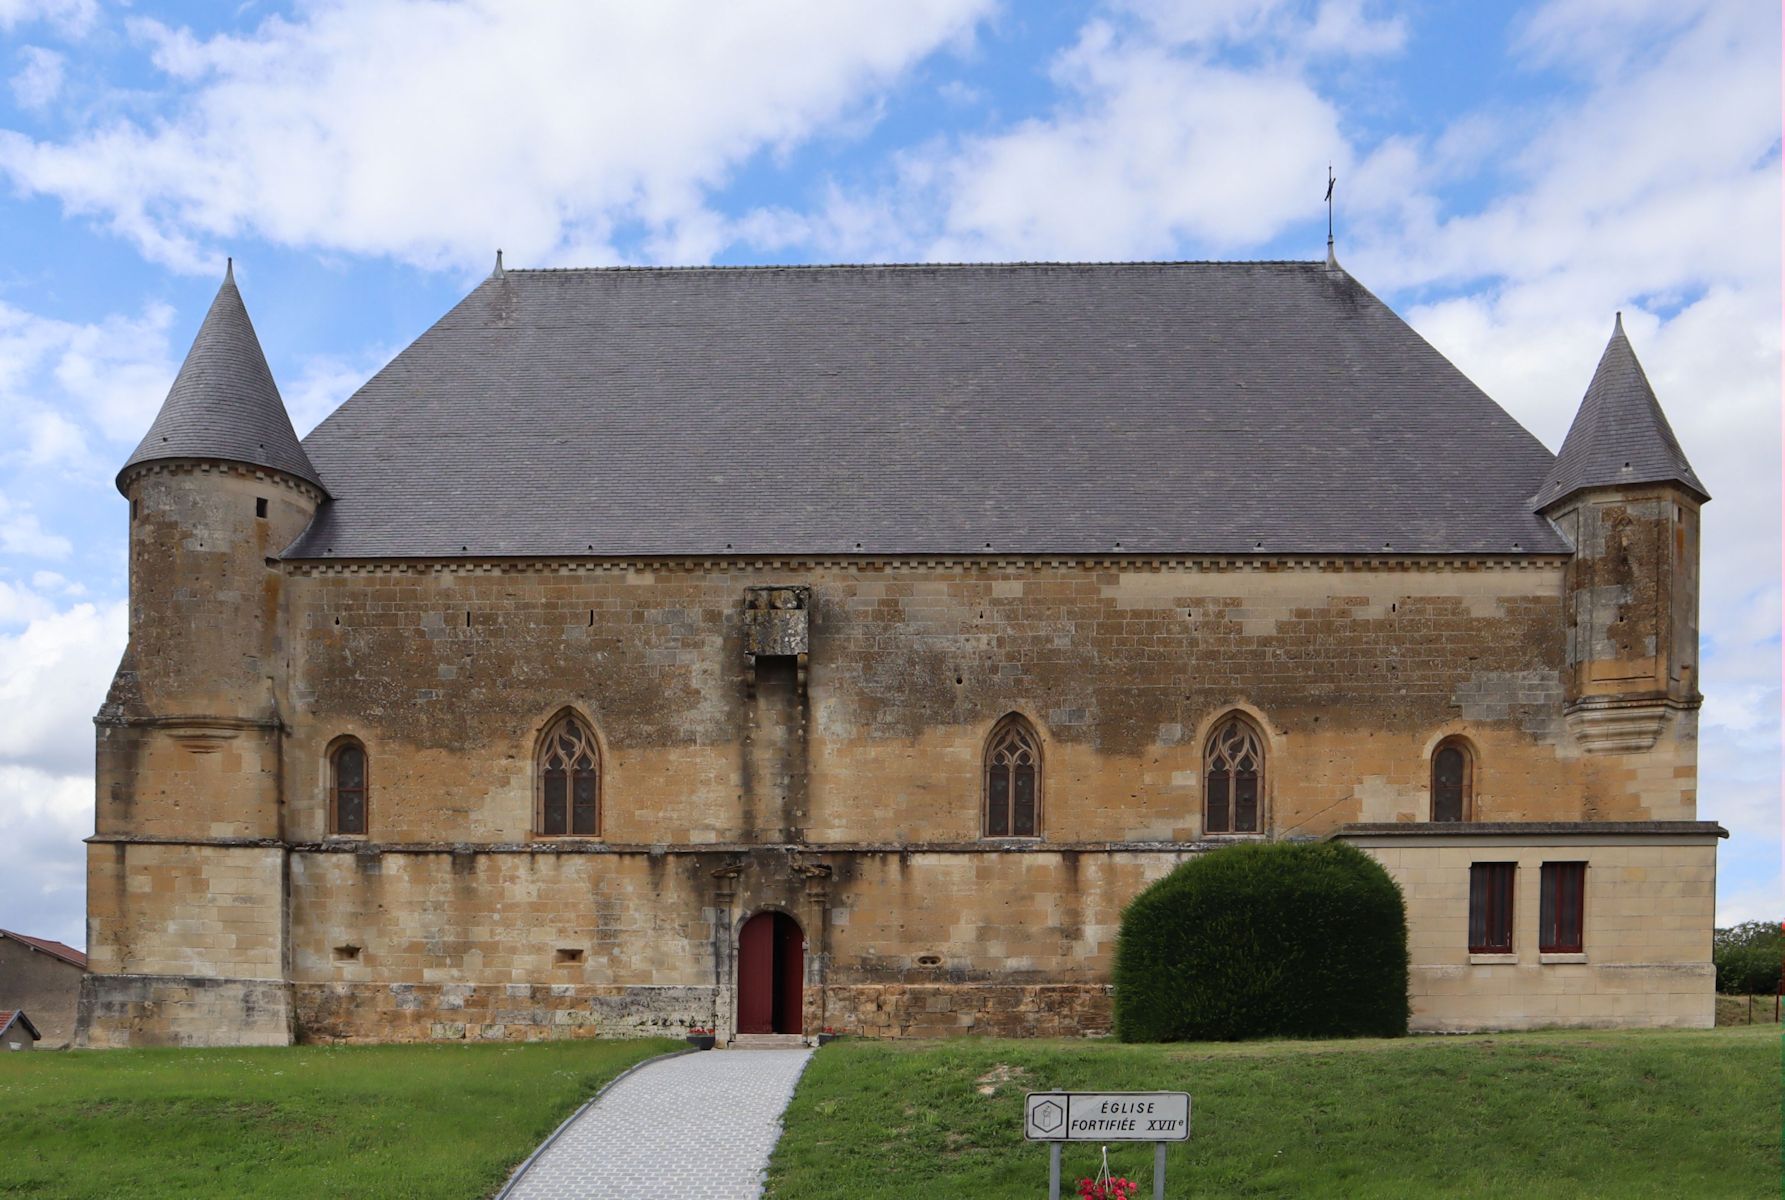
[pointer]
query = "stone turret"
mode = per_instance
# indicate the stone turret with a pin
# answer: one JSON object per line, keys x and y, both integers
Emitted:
{"x": 190, "y": 735}
{"x": 1624, "y": 495}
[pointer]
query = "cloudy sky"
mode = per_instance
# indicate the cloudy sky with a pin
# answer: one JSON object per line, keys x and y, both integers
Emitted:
{"x": 1509, "y": 175}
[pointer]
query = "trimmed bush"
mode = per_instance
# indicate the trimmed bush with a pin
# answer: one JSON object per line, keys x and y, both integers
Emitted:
{"x": 1748, "y": 958}
{"x": 1284, "y": 939}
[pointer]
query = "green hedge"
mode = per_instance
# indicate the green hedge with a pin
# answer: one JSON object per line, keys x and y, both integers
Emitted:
{"x": 1748, "y": 958}
{"x": 1280, "y": 939}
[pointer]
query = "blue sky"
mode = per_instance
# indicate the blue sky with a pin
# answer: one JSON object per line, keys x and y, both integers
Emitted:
{"x": 1509, "y": 175}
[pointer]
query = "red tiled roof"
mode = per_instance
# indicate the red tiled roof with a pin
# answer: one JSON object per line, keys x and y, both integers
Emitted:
{"x": 67, "y": 954}
{"x": 6, "y": 1018}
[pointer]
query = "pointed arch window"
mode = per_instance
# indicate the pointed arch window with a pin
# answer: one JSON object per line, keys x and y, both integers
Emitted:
{"x": 1233, "y": 776}
{"x": 1453, "y": 781}
{"x": 347, "y": 787}
{"x": 569, "y": 772}
{"x": 1013, "y": 780}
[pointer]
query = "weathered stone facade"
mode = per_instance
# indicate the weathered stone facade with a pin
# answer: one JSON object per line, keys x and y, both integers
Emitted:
{"x": 808, "y": 735}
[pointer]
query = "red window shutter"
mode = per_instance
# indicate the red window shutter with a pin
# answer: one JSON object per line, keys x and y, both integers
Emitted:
{"x": 1562, "y": 922}
{"x": 1490, "y": 908}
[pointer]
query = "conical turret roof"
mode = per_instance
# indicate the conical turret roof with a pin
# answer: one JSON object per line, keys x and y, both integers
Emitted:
{"x": 224, "y": 403}
{"x": 1620, "y": 436}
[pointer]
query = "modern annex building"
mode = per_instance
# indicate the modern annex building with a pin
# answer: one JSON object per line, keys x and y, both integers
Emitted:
{"x": 782, "y": 649}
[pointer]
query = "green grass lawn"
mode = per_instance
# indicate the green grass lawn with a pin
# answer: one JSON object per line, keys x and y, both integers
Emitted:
{"x": 306, "y": 1121}
{"x": 1556, "y": 1113}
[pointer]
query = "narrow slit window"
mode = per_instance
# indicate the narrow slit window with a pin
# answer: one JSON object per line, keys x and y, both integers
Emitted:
{"x": 260, "y": 506}
{"x": 1490, "y": 908}
{"x": 1013, "y": 780}
{"x": 1234, "y": 779}
{"x": 347, "y": 789}
{"x": 1562, "y": 901}
{"x": 569, "y": 780}
{"x": 1453, "y": 772}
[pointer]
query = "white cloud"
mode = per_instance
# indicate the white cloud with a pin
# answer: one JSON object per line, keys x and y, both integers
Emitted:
{"x": 39, "y": 80}
{"x": 437, "y": 132}
{"x": 43, "y": 865}
{"x": 22, "y": 533}
{"x": 67, "y": 386}
{"x": 57, "y": 671}
{"x": 73, "y": 17}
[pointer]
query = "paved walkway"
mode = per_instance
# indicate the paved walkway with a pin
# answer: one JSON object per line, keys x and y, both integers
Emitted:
{"x": 698, "y": 1127}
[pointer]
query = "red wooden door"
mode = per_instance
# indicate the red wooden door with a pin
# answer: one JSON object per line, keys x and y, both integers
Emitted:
{"x": 790, "y": 975}
{"x": 756, "y": 974}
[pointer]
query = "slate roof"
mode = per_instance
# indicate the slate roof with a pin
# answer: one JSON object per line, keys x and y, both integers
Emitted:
{"x": 224, "y": 403}
{"x": 66, "y": 953}
{"x": 1620, "y": 436}
{"x": 9, "y": 1015}
{"x": 1219, "y": 408}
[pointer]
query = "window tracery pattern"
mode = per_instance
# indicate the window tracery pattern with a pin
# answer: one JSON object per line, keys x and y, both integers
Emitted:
{"x": 1234, "y": 778}
{"x": 1013, "y": 780}
{"x": 569, "y": 780}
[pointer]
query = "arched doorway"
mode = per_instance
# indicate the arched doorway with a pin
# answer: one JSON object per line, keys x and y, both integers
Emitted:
{"x": 771, "y": 974}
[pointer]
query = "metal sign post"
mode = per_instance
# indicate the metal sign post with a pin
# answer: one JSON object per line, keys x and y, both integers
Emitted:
{"x": 1060, "y": 1117}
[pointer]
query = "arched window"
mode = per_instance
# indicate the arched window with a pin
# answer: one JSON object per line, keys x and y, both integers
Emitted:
{"x": 569, "y": 773}
{"x": 1013, "y": 780}
{"x": 1453, "y": 780}
{"x": 347, "y": 787}
{"x": 1234, "y": 778}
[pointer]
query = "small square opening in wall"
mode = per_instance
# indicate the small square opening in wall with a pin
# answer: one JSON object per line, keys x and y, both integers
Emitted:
{"x": 346, "y": 953}
{"x": 260, "y": 506}
{"x": 565, "y": 956}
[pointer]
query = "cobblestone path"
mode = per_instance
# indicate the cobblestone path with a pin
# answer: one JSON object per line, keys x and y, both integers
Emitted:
{"x": 698, "y": 1127}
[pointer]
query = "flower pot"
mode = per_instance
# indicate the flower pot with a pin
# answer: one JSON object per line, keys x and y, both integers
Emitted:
{"x": 701, "y": 1041}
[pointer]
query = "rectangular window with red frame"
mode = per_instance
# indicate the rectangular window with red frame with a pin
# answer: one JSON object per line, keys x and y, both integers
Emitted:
{"x": 1563, "y": 905}
{"x": 1490, "y": 908}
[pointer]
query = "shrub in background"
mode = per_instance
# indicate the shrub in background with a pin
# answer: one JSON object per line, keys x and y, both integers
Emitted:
{"x": 1291, "y": 939}
{"x": 1748, "y": 958}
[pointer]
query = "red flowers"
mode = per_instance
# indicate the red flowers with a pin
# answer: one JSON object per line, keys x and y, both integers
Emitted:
{"x": 1116, "y": 1188}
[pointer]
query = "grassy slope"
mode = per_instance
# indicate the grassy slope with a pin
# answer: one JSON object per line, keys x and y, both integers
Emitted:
{"x": 1565, "y": 1114}
{"x": 311, "y": 1121}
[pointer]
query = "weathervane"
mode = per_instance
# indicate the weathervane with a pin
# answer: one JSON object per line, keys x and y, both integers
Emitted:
{"x": 1330, "y": 180}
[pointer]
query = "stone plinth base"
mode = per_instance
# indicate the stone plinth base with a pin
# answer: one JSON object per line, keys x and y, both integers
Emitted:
{"x": 178, "y": 1010}
{"x": 952, "y": 1009}
{"x": 520, "y": 1012}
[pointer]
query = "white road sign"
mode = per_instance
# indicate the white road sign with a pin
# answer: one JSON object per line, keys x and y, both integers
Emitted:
{"x": 1107, "y": 1117}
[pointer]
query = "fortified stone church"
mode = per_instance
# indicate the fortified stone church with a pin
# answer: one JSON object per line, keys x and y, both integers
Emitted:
{"x": 792, "y": 649}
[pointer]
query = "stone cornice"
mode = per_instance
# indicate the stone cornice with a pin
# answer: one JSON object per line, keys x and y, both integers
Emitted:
{"x": 895, "y": 563}
{"x": 205, "y": 466}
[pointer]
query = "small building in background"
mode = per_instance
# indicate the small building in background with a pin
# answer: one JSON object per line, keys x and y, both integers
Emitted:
{"x": 16, "y": 1031}
{"x": 44, "y": 978}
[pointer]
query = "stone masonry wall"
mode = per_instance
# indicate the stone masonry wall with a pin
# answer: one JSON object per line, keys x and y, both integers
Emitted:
{"x": 1649, "y": 908}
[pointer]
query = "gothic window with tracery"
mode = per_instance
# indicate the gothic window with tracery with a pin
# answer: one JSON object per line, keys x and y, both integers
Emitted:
{"x": 1453, "y": 771}
{"x": 569, "y": 780}
{"x": 347, "y": 788}
{"x": 1234, "y": 778}
{"x": 1013, "y": 780}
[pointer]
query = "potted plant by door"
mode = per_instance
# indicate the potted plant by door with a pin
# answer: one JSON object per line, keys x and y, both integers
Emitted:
{"x": 701, "y": 1037}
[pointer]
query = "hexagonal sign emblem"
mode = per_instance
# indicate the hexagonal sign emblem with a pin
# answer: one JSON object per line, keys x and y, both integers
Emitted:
{"x": 1047, "y": 1116}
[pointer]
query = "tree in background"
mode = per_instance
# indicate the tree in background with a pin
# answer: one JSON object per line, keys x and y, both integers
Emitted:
{"x": 1748, "y": 958}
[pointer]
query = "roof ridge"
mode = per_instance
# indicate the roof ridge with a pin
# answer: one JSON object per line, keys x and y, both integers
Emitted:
{"x": 918, "y": 266}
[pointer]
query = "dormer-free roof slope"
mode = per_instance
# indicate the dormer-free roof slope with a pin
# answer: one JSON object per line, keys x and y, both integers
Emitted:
{"x": 1620, "y": 436}
{"x": 61, "y": 950}
{"x": 1204, "y": 408}
{"x": 224, "y": 403}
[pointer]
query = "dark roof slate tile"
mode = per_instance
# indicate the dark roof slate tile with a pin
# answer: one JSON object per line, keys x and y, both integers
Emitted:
{"x": 1219, "y": 408}
{"x": 1620, "y": 436}
{"x": 224, "y": 403}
